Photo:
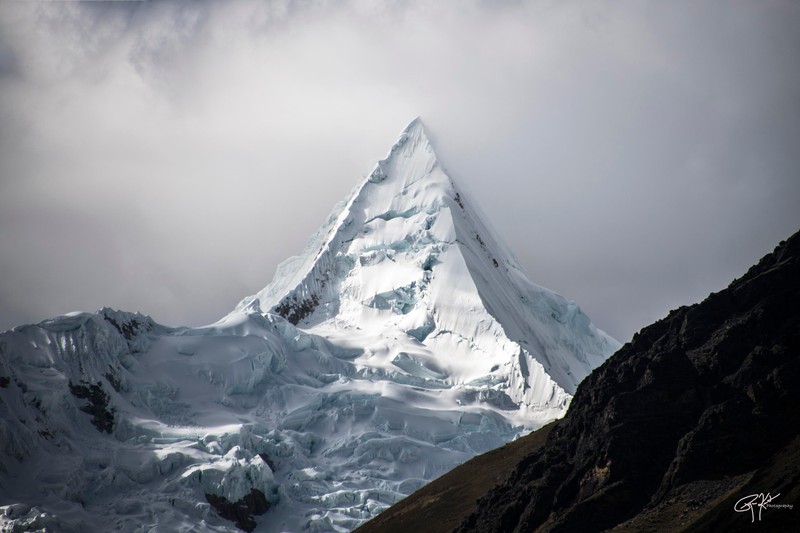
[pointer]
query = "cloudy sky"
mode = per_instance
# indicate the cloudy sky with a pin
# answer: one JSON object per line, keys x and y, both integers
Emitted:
{"x": 165, "y": 157}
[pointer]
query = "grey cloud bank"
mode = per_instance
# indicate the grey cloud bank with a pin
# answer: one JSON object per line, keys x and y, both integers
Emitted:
{"x": 165, "y": 157}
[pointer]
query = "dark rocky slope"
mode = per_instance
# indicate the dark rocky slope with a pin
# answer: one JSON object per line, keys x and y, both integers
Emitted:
{"x": 697, "y": 412}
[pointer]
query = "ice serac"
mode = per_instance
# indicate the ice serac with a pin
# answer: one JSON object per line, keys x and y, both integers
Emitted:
{"x": 409, "y": 257}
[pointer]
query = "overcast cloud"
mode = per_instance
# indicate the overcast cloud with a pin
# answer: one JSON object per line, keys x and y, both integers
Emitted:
{"x": 165, "y": 157}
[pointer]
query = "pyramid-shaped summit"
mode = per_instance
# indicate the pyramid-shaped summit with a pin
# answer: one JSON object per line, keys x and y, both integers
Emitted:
{"x": 407, "y": 277}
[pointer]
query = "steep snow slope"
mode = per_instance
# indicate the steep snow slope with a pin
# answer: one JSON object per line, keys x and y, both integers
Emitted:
{"x": 405, "y": 341}
{"x": 408, "y": 257}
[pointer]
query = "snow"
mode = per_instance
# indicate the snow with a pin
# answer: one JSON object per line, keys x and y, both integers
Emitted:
{"x": 408, "y": 255}
{"x": 405, "y": 340}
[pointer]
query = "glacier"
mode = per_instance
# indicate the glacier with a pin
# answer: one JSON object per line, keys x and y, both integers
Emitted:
{"x": 405, "y": 340}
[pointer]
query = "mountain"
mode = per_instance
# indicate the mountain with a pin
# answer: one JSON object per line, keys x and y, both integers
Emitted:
{"x": 403, "y": 342}
{"x": 408, "y": 256}
{"x": 692, "y": 426}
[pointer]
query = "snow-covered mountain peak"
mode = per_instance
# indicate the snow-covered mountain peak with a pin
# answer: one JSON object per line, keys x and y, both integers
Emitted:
{"x": 411, "y": 159}
{"x": 408, "y": 258}
{"x": 406, "y": 185}
{"x": 403, "y": 341}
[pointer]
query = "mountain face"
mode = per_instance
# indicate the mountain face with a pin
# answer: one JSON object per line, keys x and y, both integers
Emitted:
{"x": 403, "y": 342}
{"x": 407, "y": 255}
{"x": 692, "y": 426}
